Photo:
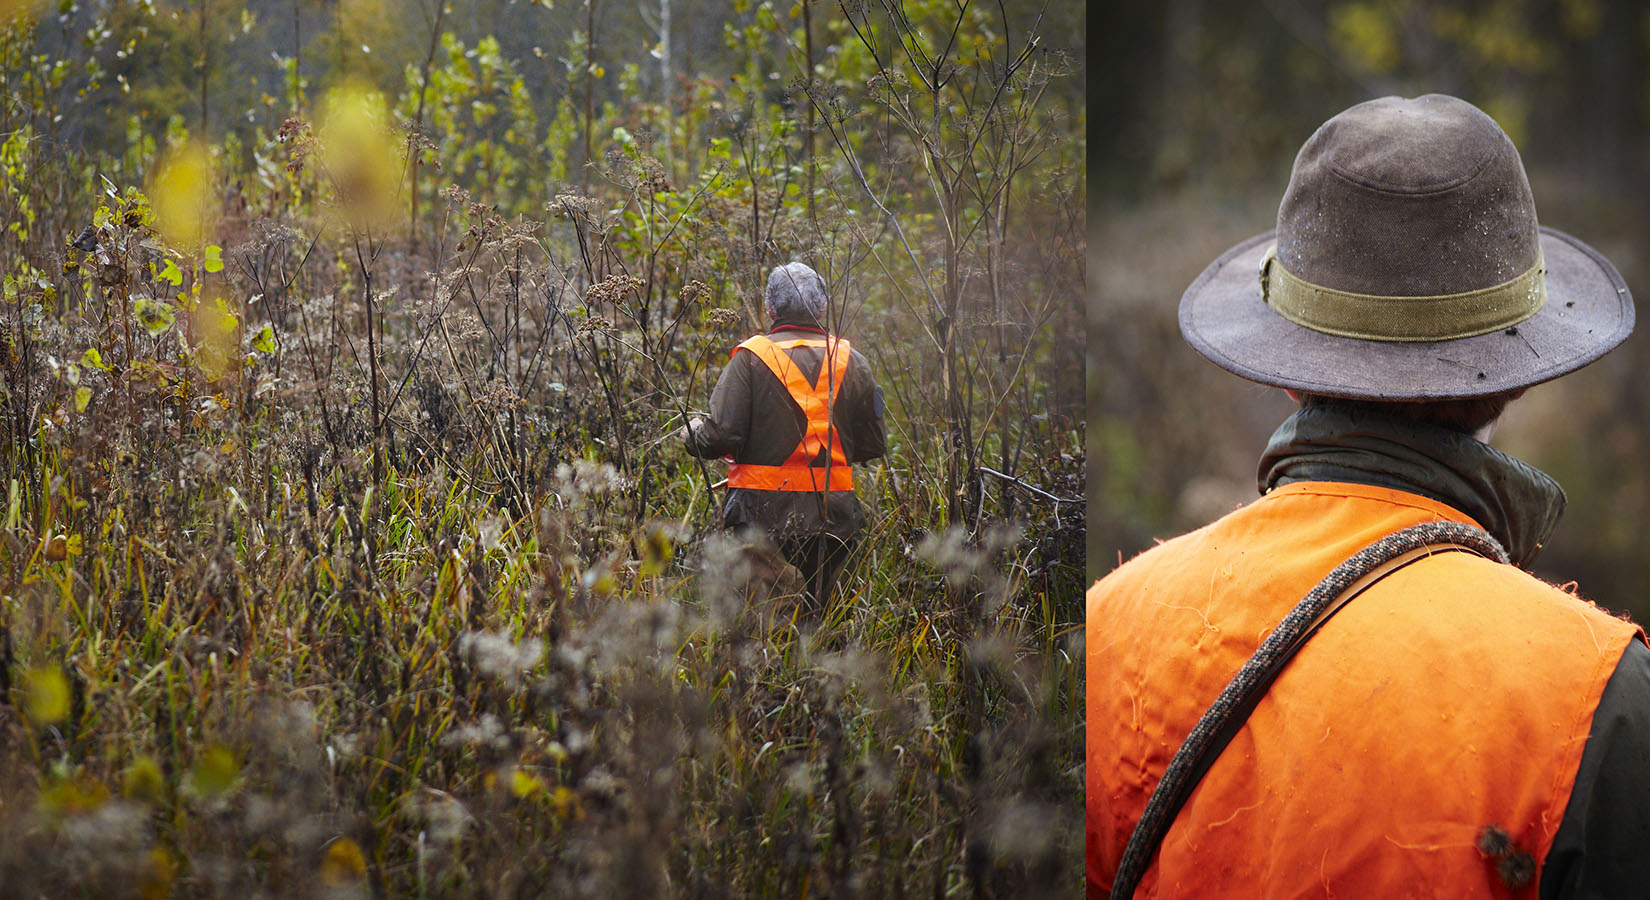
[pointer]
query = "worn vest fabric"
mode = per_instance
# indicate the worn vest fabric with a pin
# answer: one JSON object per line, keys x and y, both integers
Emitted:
{"x": 1456, "y": 694}
{"x": 818, "y": 463}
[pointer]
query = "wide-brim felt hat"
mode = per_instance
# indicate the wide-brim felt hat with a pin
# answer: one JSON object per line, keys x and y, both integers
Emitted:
{"x": 1407, "y": 265}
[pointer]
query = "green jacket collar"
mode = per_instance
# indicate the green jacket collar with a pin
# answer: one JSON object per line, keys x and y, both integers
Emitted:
{"x": 1514, "y": 501}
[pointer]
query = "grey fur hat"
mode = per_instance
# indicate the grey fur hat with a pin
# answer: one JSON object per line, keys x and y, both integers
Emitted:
{"x": 795, "y": 292}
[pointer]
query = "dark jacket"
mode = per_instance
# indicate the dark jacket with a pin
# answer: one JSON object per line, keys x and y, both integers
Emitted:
{"x": 754, "y": 420}
{"x": 1599, "y": 848}
{"x": 1167, "y": 630}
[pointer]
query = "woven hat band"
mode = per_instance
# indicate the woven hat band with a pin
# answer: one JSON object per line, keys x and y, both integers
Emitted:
{"x": 1377, "y": 318}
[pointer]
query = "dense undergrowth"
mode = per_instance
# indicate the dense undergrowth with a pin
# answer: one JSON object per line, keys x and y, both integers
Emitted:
{"x": 347, "y": 550}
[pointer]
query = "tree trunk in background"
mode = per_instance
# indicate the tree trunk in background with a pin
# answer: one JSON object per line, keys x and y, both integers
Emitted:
{"x": 413, "y": 150}
{"x": 205, "y": 60}
{"x": 297, "y": 56}
{"x": 338, "y": 34}
{"x": 589, "y": 90}
{"x": 664, "y": 59}
{"x": 1182, "y": 76}
{"x": 1609, "y": 100}
{"x": 808, "y": 82}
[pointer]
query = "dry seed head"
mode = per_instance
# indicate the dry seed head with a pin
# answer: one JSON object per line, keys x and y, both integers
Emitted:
{"x": 582, "y": 478}
{"x": 694, "y": 291}
{"x": 570, "y": 204}
{"x": 487, "y": 732}
{"x": 612, "y": 290}
{"x": 500, "y": 397}
{"x": 494, "y": 655}
{"x": 444, "y": 816}
{"x": 300, "y": 138}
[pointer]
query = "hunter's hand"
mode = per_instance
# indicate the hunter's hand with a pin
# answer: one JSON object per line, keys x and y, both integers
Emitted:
{"x": 692, "y": 425}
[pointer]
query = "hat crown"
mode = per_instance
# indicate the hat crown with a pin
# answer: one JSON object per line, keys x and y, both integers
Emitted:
{"x": 1408, "y": 197}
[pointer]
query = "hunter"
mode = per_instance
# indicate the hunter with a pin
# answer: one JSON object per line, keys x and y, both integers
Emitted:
{"x": 793, "y": 410}
{"x": 1350, "y": 687}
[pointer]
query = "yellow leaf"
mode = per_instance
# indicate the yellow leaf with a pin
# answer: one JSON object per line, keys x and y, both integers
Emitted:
{"x": 566, "y": 803}
{"x": 214, "y": 328}
{"x": 45, "y": 695}
{"x": 215, "y": 771}
{"x": 182, "y": 197}
{"x": 343, "y": 864}
{"x": 156, "y": 882}
{"x": 142, "y": 780}
{"x": 16, "y": 9}
{"x": 360, "y": 155}
{"x": 82, "y": 396}
{"x": 657, "y": 552}
{"x": 525, "y": 784}
{"x": 72, "y": 795}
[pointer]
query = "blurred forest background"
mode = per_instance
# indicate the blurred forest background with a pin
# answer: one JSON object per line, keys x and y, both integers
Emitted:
{"x": 346, "y": 545}
{"x": 1200, "y": 108}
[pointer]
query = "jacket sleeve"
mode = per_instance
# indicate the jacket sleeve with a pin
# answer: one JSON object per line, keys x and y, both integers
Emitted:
{"x": 867, "y": 436}
{"x": 1599, "y": 850}
{"x": 724, "y": 431}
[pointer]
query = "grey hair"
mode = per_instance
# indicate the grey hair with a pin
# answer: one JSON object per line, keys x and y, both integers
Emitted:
{"x": 795, "y": 289}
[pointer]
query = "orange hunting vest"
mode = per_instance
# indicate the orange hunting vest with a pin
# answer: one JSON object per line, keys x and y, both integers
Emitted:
{"x": 799, "y": 472}
{"x": 1455, "y": 694}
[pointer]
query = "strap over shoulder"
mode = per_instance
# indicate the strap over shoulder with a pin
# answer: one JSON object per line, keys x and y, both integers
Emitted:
{"x": 757, "y": 343}
{"x": 820, "y": 440}
{"x": 1223, "y": 719}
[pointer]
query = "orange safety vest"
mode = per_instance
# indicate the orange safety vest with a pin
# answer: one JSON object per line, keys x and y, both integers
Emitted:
{"x": 799, "y": 472}
{"x": 1455, "y": 694}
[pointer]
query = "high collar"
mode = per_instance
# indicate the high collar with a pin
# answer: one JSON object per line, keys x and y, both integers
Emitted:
{"x": 793, "y": 326}
{"x": 1514, "y": 501}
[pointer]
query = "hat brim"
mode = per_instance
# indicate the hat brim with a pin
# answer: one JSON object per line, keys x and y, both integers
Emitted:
{"x": 1588, "y": 312}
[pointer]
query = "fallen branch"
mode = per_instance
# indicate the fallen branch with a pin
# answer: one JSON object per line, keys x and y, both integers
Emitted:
{"x": 1036, "y": 491}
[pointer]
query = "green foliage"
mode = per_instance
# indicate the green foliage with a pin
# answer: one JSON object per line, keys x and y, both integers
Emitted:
{"x": 481, "y": 106}
{"x": 363, "y": 547}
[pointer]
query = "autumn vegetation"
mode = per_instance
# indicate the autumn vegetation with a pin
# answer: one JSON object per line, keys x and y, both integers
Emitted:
{"x": 345, "y": 545}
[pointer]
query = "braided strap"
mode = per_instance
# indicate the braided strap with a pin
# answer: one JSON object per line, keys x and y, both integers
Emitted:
{"x": 1231, "y": 709}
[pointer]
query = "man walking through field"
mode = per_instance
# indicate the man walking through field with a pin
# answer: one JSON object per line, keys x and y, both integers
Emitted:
{"x": 793, "y": 410}
{"x": 1350, "y": 688}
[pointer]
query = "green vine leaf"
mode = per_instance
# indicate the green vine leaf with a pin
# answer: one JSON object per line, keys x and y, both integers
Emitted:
{"x": 264, "y": 340}
{"x": 154, "y": 315}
